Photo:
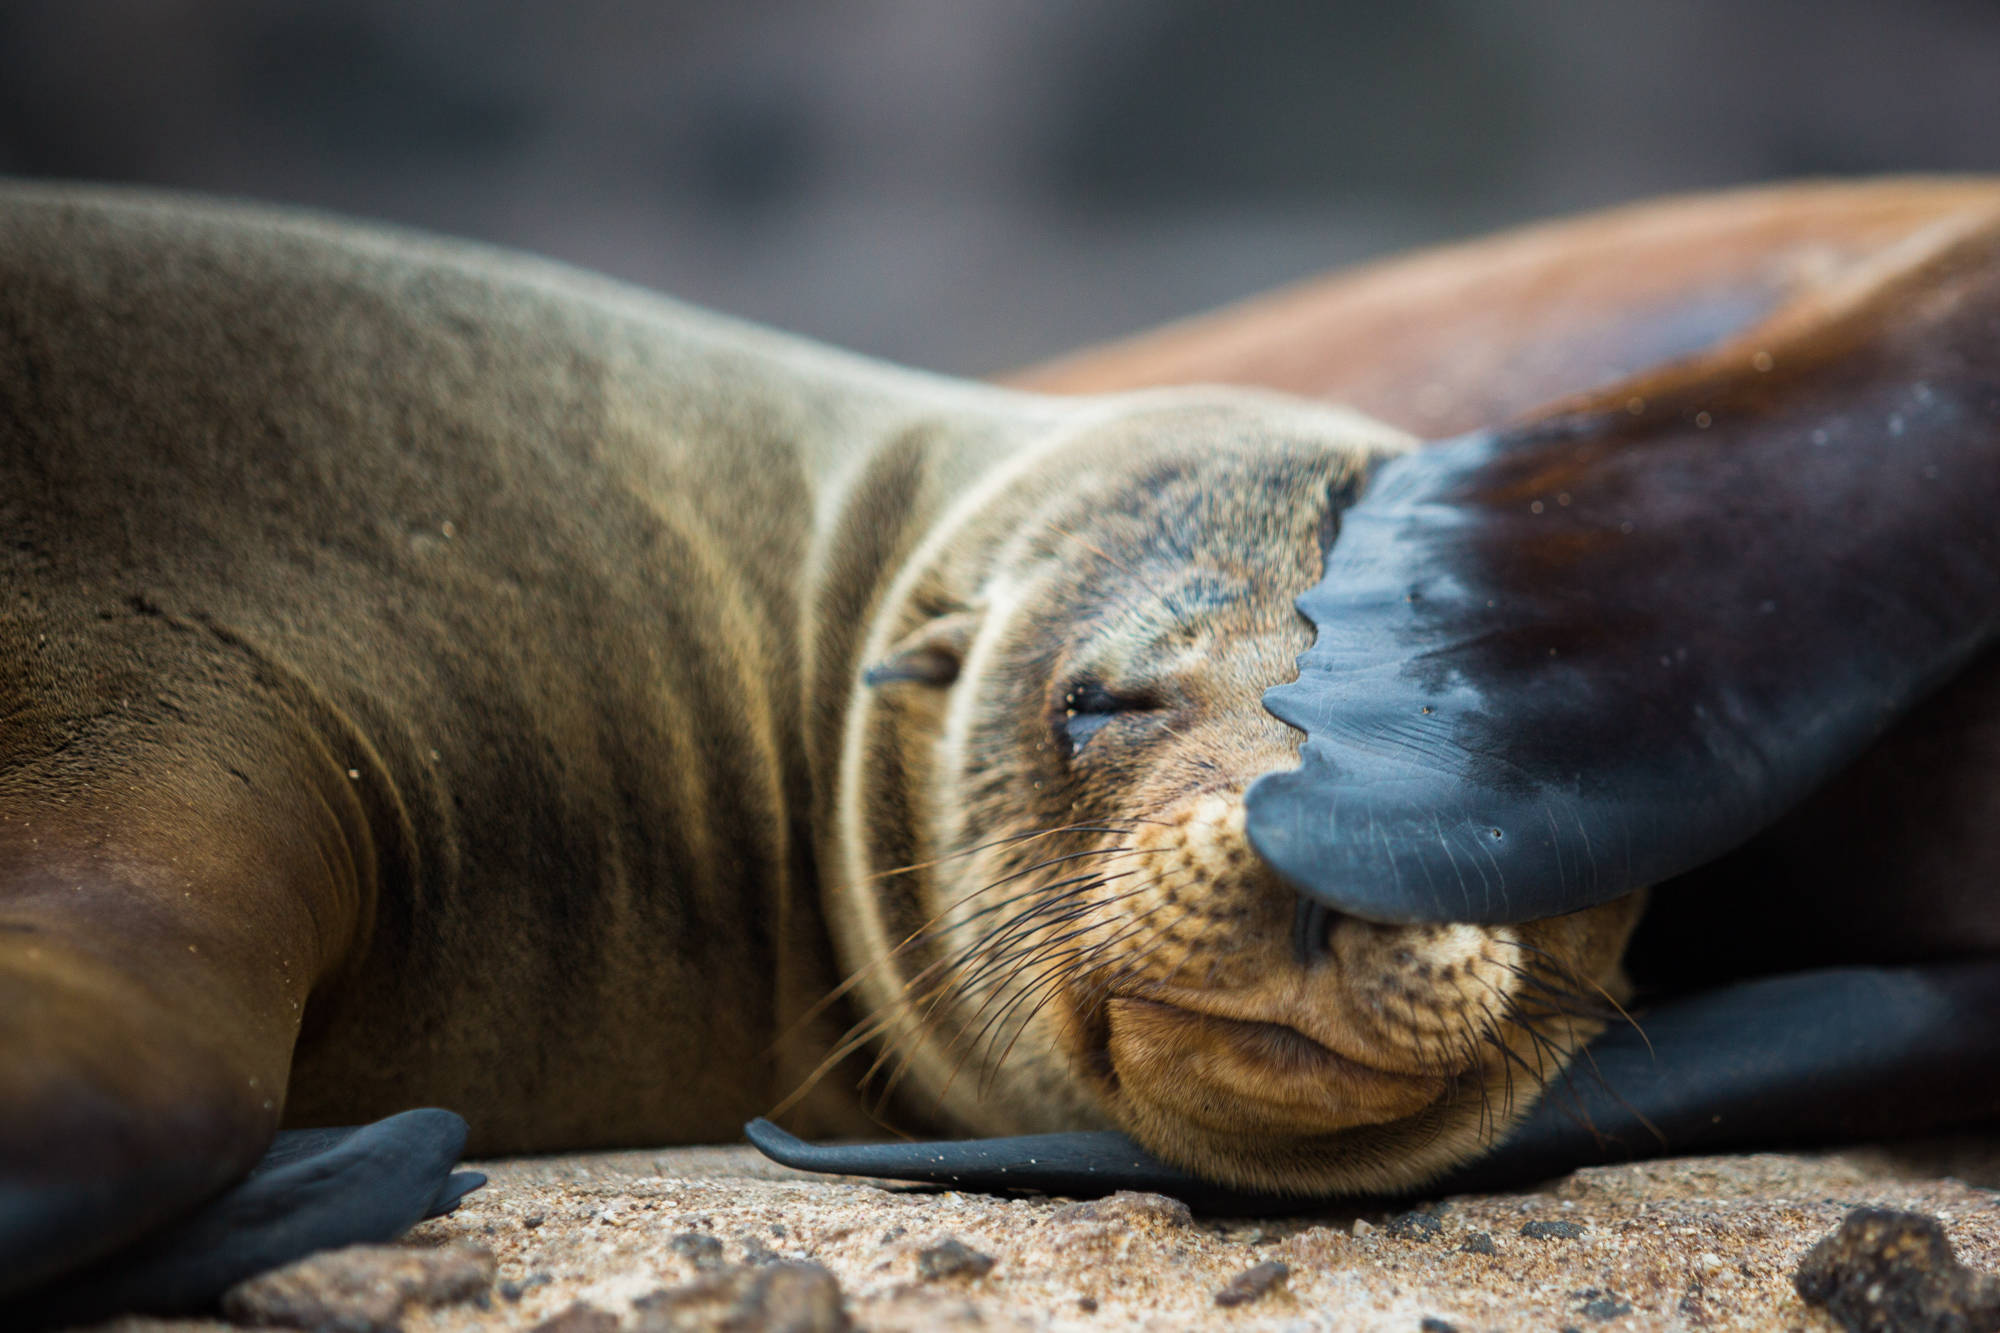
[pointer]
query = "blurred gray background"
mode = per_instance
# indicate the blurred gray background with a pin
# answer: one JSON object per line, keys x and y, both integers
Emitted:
{"x": 974, "y": 184}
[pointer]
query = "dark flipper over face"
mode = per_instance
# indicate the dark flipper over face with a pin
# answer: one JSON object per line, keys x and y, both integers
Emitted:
{"x": 1566, "y": 660}
{"x": 316, "y": 1189}
{"x": 1810, "y": 1058}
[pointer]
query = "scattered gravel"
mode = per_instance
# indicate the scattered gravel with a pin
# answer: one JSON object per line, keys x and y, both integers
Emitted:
{"x": 1709, "y": 1243}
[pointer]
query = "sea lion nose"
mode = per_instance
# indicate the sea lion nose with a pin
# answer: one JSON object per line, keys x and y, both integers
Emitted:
{"x": 1312, "y": 930}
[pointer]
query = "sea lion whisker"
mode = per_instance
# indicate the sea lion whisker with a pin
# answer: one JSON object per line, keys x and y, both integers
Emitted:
{"x": 853, "y": 1040}
{"x": 911, "y": 941}
{"x": 1079, "y": 884}
{"x": 926, "y": 931}
{"x": 1025, "y": 871}
{"x": 1071, "y": 905}
{"x": 1597, "y": 1074}
{"x": 1467, "y": 1051}
{"x": 1557, "y": 998}
{"x": 1509, "y": 1018}
{"x": 1489, "y": 1034}
{"x": 918, "y": 1010}
{"x": 996, "y": 949}
{"x": 1059, "y": 949}
{"x": 1565, "y": 1080}
{"x": 1017, "y": 960}
{"x": 1573, "y": 1003}
{"x": 1045, "y": 950}
{"x": 1043, "y": 900}
{"x": 1100, "y": 826}
{"x": 1063, "y": 894}
{"x": 1567, "y": 1070}
{"x": 1512, "y": 1059}
{"x": 1568, "y": 972}
{"x": 985, "y": 943}
{"x": 1049, "y": 993}
{"x": 1050, "y": 979}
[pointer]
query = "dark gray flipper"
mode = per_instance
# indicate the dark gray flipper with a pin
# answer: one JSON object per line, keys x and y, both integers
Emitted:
{"x": 1567, "y": 660}
{"x": 1086, "y": 1165}
{"x": 315, "y": 1189}
{"x": 1807, "y": 1059}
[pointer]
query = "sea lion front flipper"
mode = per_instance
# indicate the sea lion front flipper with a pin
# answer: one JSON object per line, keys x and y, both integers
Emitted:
{"x": 315, "y": 1189}
{"x": 1839, "y": 1055}
{"x": 1565, "y": 660}
{"x": 184, "y": 856}
{"x": 1809, "y": 1058}
{"x": 1084, "y": 1164}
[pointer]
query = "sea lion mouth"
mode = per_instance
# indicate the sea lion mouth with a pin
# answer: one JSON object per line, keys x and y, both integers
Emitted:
{"x": 1235, "y": 1075}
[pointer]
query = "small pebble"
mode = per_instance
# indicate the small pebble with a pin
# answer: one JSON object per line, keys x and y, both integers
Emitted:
{"x": 533, "y": 1220}
{"x": 361, "y": 1289}
{"x": 579, "y": 1318}
{"x": 1888, "y": 1272}
{"x": 1432, "y": 1324}
{"x": 699, "y": 1250}
{"x": 511, "y": 1290}
{"x": 788, "y": 1296}
{"x": 1478, "y": 1242}
{"x": 1551, "y": 1230}
{"x": 1414, "y": 1226}
{"x": 1603, "y": 1306}
{"x": 1252, "y": 1283}
{"x": 952, "y": 1257}
{"x": 1127, "y": 1206}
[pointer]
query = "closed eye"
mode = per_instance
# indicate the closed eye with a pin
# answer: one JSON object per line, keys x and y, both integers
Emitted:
{"x": 1088, "y": 707}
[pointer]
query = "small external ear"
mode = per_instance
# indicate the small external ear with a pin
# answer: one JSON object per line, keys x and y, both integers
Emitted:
{"x": 930, "y": 655}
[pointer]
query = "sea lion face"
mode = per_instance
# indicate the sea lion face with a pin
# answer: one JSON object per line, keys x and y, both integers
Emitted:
{"x": 1076, "y": 931}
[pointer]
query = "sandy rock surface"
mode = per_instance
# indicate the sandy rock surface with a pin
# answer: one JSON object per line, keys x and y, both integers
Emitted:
{"x": 658, "y": 1240}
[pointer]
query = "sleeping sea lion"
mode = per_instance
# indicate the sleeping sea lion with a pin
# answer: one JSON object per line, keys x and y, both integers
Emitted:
{"x": 335, "y": 747}
{"x": 433, "y": 676}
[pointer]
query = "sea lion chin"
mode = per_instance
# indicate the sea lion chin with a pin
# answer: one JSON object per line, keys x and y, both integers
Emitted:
{"x": 1051, "y": 905}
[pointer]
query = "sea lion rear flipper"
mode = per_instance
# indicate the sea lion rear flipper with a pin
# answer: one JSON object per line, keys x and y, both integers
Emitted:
{"x": 315, "y": 1189}
{"x": 1562, "y": 661}
{"x": 1805, "y": 1059}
